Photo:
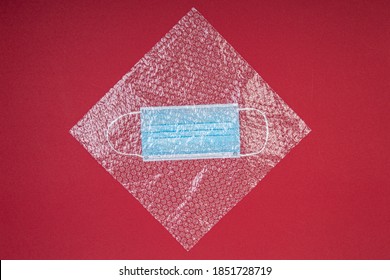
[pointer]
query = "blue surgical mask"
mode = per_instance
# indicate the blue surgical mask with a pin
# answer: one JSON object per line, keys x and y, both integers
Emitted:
{"x": 190, "y": 132}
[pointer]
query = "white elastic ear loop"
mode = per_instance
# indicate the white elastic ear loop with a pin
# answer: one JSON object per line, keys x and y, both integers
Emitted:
{"x": 108, "y": 132}
{"x": 266, "y": 128}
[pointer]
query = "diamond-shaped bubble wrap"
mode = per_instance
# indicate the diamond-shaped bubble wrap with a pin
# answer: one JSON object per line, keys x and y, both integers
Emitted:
{"x": 191, "y": 65}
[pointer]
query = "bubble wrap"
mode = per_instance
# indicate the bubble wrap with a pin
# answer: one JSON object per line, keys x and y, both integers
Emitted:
{"x": 191, "y": 65}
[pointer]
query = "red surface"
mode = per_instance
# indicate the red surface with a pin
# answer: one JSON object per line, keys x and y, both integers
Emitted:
{"x": 328, "y": 199}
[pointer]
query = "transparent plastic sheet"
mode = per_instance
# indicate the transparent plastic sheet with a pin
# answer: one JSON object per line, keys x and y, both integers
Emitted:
{"x": 191, "y": 65}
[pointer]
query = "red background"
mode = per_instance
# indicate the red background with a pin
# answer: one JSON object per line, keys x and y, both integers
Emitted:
{"x": 328, "y": 199}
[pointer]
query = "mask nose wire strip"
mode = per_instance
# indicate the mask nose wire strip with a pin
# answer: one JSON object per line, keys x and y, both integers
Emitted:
{"x": 108, "y": 132}
{"x": 266, "y": 128}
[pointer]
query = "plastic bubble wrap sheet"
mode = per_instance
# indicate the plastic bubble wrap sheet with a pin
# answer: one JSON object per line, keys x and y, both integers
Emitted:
{"x": 191, "y": 65}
